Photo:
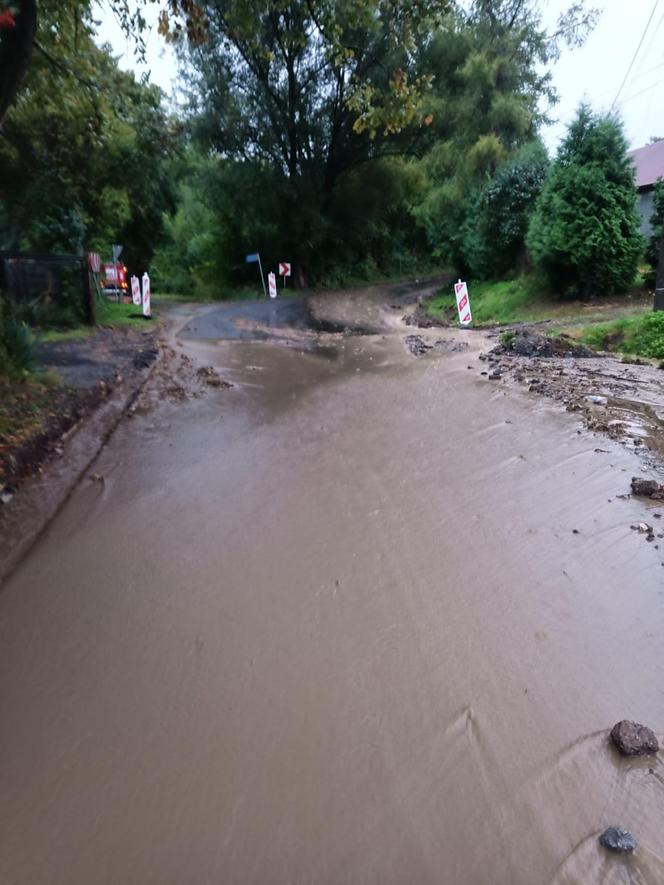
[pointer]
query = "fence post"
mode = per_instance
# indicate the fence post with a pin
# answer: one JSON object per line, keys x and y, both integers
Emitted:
{"x": 89, "y": 294}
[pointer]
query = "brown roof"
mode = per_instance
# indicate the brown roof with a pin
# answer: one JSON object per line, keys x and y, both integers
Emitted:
{"x": 649, "y": 162}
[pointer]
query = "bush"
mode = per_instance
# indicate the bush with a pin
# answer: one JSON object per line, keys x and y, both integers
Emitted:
{"x": 15, "y": 342}
{"x": 584, "y": 235}
{"x": 495, "y": 230}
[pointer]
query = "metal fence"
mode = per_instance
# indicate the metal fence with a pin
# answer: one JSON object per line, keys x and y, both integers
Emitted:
{"x": 46, "y": 289}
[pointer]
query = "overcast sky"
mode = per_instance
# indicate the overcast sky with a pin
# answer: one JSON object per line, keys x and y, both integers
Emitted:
{"x": 594, "y": 72}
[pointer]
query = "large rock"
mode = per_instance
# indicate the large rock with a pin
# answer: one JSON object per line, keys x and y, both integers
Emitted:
{"x": 633, "y": 739}
{"x": 646, "y": 487}
{"x": 618, "y": 840}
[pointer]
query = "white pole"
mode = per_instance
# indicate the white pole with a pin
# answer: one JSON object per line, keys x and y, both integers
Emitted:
{"x": 260, "y": 267}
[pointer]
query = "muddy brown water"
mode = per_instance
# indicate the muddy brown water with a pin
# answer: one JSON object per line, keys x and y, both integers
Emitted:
{"x": 333, "y": 626}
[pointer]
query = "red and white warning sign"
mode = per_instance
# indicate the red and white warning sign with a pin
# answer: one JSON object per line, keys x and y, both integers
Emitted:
{"x": 284, "y": 268}
{"x": 146, "y": 295}
{"x": 94, "y": 262}
{"x": 272, "y": 285}
{"x": 463, "y": 303}
{"x": 135, "y": 291}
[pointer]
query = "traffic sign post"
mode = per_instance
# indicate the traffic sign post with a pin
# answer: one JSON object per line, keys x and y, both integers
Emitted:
{"x": 116, "y": 252}
{"x": 463, "y": 303}
{"x": 272, "y": 285}
{"x": 255, "y": 257}
{"x": 284, "y": 270}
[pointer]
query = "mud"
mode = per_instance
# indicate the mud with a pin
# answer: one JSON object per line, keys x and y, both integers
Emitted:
{"x": 621, "y": 400}
{"x": 360, "y": 618}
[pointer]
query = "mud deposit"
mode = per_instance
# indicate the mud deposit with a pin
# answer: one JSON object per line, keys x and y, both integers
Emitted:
{"x": 620, "y": 399}
{"x": 360, "y": 618}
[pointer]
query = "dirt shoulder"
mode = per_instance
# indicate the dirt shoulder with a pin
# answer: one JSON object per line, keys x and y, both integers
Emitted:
{"x": 622, "y": 399}
{"x": 74, "y": 377}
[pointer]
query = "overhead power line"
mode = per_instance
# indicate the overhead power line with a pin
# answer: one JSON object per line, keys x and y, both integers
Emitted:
{"x": 636, "y": 52}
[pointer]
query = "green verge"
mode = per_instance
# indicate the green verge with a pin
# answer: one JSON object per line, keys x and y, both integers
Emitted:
{"x": 508, "y": 301}
{"x": 523, "y": 300}
{"x": 637, "y": 336}
{"x": 109, "y": 314}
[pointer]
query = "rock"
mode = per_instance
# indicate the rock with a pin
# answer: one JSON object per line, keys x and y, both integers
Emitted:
{"x": 598, "y": 400}
{"x": 495, "y": 375}
{"x": 633, "y": 739}
{"x": 645, "y": 487}
{"x": 416, "y": 345}
{"x": 618, "y": 840}
{"x": 644, "y": 528}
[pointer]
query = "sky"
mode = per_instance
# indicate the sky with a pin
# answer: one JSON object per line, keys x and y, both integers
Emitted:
{"x": 594, "y": 73}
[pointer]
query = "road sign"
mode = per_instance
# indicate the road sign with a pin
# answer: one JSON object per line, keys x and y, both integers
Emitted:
{"x": 146, "y": 295}
{"x": 463, "y": 303}
{"x": 272, "y": 285}
{"x": 94, "y": 262}
{"x": 135, "y": 291}
{"x": 117, "y": 251}
{"x": 284, "y": 269}
{"x": 255, "y": 257}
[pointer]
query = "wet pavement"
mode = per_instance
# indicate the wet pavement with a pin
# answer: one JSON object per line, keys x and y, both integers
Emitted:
{"x": 360, "y": 618}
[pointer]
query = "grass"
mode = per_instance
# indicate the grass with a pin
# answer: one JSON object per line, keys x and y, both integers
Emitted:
{"x": 109, "y": 314}
{"x": 522, "y": 300}
{"x": 26, "y": 401}
{"x": 637, "y": 336}
{"x": 507, "y": 301}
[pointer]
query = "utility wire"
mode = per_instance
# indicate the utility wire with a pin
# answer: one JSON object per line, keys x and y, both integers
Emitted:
{"x": 638, "y": 49}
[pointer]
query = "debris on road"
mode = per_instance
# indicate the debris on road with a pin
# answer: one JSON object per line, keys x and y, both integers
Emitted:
{"x": 634, "y": 739}
{"x": 209, "y": 376}
{"x": 619, "y": 840}
{"x": 417, "y": 345}
{"x": 647, "y": 488}
{"x": 525, "y": 342}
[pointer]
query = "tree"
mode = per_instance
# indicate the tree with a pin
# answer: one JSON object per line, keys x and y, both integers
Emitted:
{"x": 75, "y": 149}
{"x": 584, "y": 235}
{"x": 491, "y": 69}
{"x": 298, "y": 96}
{"x": 657, "y": 224}
{"x": 496, "y": 228}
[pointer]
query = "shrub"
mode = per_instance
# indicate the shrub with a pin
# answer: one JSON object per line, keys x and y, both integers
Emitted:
{"x": 495, "y": 230}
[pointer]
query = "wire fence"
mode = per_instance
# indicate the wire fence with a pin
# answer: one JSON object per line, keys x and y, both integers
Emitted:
{"x": 47, "y": 290}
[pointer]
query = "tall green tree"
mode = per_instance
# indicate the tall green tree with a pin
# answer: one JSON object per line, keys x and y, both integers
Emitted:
{"x": 84, "y": 152}
{"x": 492, "y": 89}
{"x": 584, "y": 235}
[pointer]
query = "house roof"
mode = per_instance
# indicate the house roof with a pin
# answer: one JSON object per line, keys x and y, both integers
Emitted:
{"x": 649, "y": 162}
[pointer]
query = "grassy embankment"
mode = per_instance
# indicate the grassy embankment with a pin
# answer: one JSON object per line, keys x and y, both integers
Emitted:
{"x": 623, "y": 323}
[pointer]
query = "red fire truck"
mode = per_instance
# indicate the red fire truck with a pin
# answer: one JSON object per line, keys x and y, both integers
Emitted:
{"x": 114, "y": 280}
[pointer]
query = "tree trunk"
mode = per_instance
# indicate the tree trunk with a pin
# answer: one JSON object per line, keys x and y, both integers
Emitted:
{"x": 15, "y": 53}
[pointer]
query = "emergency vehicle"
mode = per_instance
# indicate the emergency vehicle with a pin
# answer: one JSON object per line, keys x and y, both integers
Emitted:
{"x": 114, "y": 279}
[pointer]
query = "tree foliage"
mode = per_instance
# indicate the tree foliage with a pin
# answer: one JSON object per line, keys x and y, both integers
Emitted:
{"x": 496, "y": 227}
{"x": 491, "y": 69}
{"x": 657, "y": 225}
{"x": 84, "y": 152}
{"x": 584, "y": 235}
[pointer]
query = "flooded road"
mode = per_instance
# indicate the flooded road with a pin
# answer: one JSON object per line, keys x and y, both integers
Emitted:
{"x": 360, "y": 618}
